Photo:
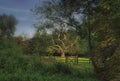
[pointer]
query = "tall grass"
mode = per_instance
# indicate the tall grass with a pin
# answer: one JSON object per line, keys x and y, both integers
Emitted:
{"x": 35, "y": 70}
{"x": 17, "y": 67}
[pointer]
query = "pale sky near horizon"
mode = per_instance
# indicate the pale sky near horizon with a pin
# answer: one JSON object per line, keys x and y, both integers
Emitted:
{"x": 21, "y": 10}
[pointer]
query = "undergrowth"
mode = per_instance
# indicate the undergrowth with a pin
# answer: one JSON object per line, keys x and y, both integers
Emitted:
{"x": 14, "y": 66}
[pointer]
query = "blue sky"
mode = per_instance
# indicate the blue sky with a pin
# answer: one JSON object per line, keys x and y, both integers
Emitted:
{"x": 21, "y": 10}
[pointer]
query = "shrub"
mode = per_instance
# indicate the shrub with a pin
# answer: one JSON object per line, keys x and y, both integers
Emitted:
{"x": 63, "y": 68}
{"x": 9, "y": 55}
{"x": 37, "y": 64}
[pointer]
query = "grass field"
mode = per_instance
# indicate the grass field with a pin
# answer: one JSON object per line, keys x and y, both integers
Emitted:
{"x": 33, "y": 69}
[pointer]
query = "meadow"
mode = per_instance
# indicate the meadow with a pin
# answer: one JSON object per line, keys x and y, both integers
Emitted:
{"x": 16, "y": 66}
{"x": 32, "y": 68}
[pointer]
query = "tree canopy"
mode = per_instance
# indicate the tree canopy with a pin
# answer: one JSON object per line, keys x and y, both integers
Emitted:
{"x": 7, "y": 25}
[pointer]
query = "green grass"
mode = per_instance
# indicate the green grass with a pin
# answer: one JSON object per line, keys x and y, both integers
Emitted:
{"x": 26, "y": 68}
{"x": 41, "y": 77}
{"x": 14, "y": 66}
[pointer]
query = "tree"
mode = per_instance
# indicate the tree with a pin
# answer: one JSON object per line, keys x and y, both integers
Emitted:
{"x": 104, "y": 23}
{"x": 7, "y": 25}
{"x": 54, "y": 12}
{"x": 65, "y": 41}
{"x": 64, "y": 12}
{"x": 102, "y": 19}
{"x": 23, "y": 42}
{"x": 107, "y": 18}
{"x": 58, "y": 38}
{"x": 39, "y": 44}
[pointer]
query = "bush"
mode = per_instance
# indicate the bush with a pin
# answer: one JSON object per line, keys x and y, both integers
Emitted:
{"x": 63, "y": 68}
{"x": 37, "y": 64}
{"x": 9, "y": 54}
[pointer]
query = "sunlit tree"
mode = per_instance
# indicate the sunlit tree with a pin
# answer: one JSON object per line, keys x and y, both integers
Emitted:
{"x": 65, "y": 42}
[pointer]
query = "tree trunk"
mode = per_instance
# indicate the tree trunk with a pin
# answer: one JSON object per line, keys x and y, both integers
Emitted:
{"x": 89, "y": 34}
{"x": 62, "y": 54}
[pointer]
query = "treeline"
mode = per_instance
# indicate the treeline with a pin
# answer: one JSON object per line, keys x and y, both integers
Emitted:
{"x": 49, "y": 39}
{"x": 56, "y": 43}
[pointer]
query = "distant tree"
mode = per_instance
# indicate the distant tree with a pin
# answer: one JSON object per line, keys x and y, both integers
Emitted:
{"x": 65, "y": 42}
{"x": 7, "y": 25}
{"x": 40, "y": 42}
{"x": 57, "y": 14}
{"x": 64, "y": 13}
{"x": 23, "y": 43}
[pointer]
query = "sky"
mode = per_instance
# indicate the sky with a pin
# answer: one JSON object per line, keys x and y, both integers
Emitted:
{"x": 21, "y": 10}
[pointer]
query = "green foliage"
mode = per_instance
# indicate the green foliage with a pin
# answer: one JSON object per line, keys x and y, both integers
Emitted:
{"x": 107, "y": 29}
{"x": 62, "y": 68}
{"x": 9, "y": 54}
{"x": 17, "y": 67}
{"x": 7, "y": 25}
{"x": 10, "y": 46}
{"x": 50, "y": 50}
{"x": 23, "y": 43}
{"x": 39, "y": 44}
{"x": 48, "y": 75}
